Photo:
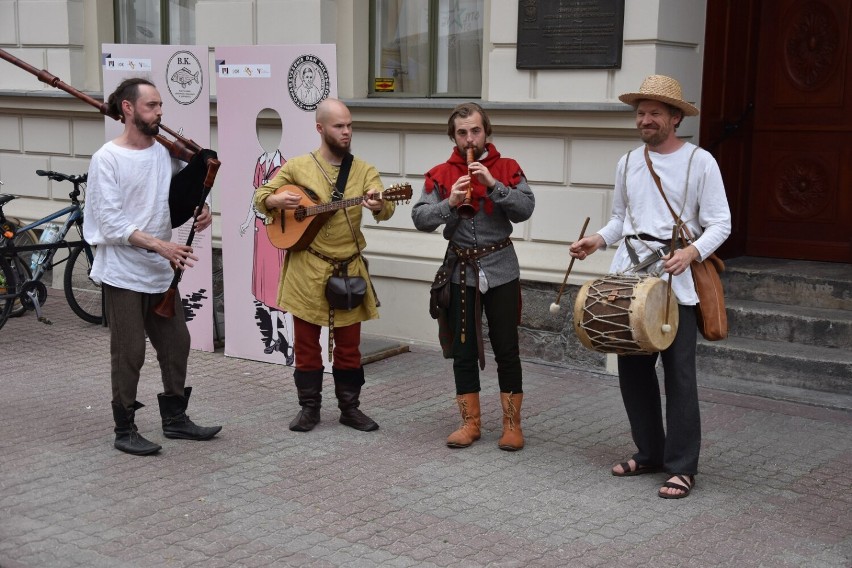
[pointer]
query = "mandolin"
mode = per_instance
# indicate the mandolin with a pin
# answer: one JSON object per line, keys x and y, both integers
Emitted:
{"x": 295, "y": 229}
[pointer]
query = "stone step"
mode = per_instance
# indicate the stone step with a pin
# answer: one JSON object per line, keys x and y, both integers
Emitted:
{"x": 795, "y": 324}
{"x": 791, "y": 282}
{"x": 777, "y": 363}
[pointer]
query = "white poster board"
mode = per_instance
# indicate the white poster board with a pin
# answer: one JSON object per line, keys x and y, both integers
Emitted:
{"x": 288, "y": 80}
{"x": 180, "y": 74}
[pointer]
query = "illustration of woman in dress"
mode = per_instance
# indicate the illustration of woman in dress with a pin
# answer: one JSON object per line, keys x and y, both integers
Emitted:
{"x": 275, "y": 330}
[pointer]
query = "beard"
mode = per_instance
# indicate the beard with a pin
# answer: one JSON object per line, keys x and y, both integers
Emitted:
{"x": 337, "y": 148}
{"x": 148, "y": 129}
{"x": 655, "y": 137}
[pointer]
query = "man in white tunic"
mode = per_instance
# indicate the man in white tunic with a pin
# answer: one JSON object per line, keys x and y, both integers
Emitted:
{"x": 693, "y": 186}
{"x": 128, "y": 219}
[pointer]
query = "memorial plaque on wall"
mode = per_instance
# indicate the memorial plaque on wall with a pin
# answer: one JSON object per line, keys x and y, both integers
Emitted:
{"x": 570, "y": 34}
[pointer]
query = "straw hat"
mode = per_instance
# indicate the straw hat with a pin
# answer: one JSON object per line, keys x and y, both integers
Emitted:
{"x": 663, "y": 89}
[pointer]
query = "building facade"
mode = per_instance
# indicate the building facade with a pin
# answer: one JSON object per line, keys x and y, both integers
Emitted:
{"x": 565, "y": 127}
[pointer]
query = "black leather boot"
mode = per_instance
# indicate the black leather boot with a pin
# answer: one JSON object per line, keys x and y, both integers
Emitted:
{"x": 176, "y": 424}
{"x": 127, "y": 439}
{"x": 309, "y": 388}
{"x": 347, "y": 387}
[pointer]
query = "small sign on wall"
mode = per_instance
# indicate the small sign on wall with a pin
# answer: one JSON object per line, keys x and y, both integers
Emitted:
{"x": 567, "y": 34}
{"x": 384, "y": 84}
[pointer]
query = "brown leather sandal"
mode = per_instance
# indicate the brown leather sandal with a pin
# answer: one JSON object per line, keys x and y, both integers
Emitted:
{"x": 686, "y": 485}
{"x": 627, "y": 471}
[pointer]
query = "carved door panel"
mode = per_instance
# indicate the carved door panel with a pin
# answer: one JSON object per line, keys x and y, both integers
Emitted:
{"x": 800, "y": 193}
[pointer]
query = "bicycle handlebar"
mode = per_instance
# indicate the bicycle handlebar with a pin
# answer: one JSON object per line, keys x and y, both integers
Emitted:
{"x": 56, "y": 176}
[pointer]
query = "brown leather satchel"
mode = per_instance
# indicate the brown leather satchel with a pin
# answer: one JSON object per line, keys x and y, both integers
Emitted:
{"x": 711, "y": 315}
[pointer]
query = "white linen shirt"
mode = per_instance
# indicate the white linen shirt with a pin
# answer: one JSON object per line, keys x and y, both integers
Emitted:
{"x": 638, "y": 208}
{"x": 128, "y": 190}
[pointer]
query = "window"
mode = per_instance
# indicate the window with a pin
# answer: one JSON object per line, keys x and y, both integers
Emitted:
{"x": 426, "y": 48}
{"x": 155, "y": 21}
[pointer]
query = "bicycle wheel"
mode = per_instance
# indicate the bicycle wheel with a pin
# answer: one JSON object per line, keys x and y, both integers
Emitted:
{"x": 22, "y": 263}
{"x": 8, "y": 282}
{"x": 83, "y": 294}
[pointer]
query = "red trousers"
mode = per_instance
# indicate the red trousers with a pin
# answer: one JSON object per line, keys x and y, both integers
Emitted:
{"x": 347, "y": 346}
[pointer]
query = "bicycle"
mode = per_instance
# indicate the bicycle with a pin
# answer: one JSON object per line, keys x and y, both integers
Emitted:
{"x": 22, "y": 238}
{"x": 22, "y": 266}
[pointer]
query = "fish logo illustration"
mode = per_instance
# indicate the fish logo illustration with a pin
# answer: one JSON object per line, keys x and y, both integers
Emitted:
{"x": 185, "y": 77}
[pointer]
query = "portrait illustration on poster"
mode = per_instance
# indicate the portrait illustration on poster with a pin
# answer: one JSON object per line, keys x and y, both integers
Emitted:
{"x": 308, "y": 82}
{"x": 275, "y": 329}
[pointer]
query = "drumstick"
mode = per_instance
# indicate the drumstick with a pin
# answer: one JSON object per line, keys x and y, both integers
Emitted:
{"x": 666, "y": 327}
{"x": 554, "y": 307}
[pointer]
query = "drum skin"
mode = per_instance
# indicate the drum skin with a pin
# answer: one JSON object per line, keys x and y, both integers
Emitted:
{"x": 625, "y": 314}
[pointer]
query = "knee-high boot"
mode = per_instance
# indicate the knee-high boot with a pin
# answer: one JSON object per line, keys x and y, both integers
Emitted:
{"x": 176, "y": 424}
{"x": 309, "y": 388}
{"x": 470, "y": 430}
{"x": 513, "y": 437}
{"x": 127, "y": 439}
{"x": 347, "y": 387}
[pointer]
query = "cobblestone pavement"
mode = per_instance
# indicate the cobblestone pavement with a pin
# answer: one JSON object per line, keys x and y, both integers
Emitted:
{"x": 774, "y": 487}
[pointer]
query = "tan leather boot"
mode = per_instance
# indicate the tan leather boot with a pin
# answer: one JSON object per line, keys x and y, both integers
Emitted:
{"x": 513, "y": 437}
{"x": 471, "y": 422}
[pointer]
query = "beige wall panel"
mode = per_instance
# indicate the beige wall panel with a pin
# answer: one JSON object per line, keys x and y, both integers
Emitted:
{"x": 68, "y": 65}
{"x": 542, "y": 159}
{"x": 424, "y": 151}
{"x": 47, "y": 135}
{"x": 560, "y": 212}
{"x": 401, "y": 219}
{"x": 641, "y": 20}
{"x": 10, "y": 133}
{"x": 682, "y": 21}
{"x": 8, "y": 17}
{"x": 505, "y": 83}
{"x": 224, "y": 22}
{"x": 19, "y": 178}
{"x": 404, "y": 313}
{"x": 504, "y": 21}
{"x": 71, "y": 166}
{"x": 592, "y": 162}
{"x": 16, "y": 78}
{"x": 382, "y": 149}
{"x": 574, "y": 86}
{"x": 57, "y": 22}
{"x": 88, "y": 136}
{"x": 287, "y": 23}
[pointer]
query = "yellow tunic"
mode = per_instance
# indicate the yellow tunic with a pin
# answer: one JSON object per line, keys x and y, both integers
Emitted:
{"x": 301, "y": 290}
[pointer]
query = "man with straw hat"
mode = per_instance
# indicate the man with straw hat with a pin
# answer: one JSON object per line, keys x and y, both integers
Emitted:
{"x": 692, "y": 183}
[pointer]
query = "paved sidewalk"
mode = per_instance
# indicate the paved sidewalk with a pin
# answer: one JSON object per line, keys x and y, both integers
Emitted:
{"x": 774, "y": 489}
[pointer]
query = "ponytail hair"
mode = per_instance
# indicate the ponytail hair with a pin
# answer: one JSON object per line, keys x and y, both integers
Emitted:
{"x": 127, "y": 90}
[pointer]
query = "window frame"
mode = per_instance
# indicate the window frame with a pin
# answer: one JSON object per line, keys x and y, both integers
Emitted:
{"x": 433, "y": 31}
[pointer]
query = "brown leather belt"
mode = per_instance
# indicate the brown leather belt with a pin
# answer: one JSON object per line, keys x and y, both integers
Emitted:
{"x": 470, "y": 256}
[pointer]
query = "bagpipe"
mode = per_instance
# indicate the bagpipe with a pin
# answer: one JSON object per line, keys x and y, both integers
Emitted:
{"x": 189, "y": 187}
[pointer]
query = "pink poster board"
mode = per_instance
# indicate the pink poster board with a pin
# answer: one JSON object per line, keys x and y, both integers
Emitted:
{"x": 181, "y": 76}
{"x": 287, "y": 80}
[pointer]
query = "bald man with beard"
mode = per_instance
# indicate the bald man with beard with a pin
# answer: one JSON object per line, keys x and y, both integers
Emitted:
{"x": 305, "y": 273}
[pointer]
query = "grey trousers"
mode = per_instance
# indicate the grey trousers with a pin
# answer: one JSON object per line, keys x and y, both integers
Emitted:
{"x": 130, "y": 319}
{"x": 675, "y": 447}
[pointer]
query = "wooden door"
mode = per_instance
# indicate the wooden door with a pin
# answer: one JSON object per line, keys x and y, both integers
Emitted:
{"x": 776, "y": 111}
{"x": 800, "y": 190}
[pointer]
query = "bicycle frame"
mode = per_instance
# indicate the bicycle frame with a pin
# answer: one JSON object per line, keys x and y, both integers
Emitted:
{"x": 75, "y": 215}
